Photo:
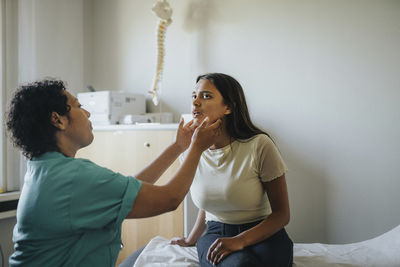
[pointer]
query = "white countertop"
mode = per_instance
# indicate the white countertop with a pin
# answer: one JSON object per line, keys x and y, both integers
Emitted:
{"x": 140, "y": 126}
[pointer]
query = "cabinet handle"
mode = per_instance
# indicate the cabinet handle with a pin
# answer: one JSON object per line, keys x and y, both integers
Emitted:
{"x": 147, "y": 144}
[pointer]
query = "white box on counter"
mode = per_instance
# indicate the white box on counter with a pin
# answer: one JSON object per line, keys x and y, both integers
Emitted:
{"x": 109, "y": 107}
{"x": 163, "y": 117}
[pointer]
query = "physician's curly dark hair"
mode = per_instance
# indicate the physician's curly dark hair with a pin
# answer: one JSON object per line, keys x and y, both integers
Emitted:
{"x": 29, "y": 116}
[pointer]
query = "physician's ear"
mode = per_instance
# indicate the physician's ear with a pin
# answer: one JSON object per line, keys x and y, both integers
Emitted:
{"x": 58, "y": 121}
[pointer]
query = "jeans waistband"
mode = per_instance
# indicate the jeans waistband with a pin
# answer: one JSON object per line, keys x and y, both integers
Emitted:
{"x": 230, "y": 229}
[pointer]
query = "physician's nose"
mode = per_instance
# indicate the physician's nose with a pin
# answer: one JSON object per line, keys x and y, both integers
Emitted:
{"x": 87, "y": 113}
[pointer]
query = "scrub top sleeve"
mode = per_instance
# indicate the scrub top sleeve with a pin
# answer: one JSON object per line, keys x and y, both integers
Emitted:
{"x": 132, "y": 190}
{"x": 100, "y": 197}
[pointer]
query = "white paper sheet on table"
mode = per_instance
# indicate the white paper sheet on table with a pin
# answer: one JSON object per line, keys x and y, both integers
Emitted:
{"x": 160, "y": 253}
{"x": 382, "y": 251}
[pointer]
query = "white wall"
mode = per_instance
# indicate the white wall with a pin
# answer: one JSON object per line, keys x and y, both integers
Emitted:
{"x": 124, "y": 51}
{"x": 51, "y": 41}
{"x": 320, "y": 76}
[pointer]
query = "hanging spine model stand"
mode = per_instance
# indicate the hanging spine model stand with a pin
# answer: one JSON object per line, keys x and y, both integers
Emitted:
{"x": 162, "y": 9}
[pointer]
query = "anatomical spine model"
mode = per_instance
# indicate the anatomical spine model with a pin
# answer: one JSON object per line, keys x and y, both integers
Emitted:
{"x": 162, "y": 9}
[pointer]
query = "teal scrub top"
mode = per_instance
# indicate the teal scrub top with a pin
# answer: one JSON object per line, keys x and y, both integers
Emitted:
{"x": 70, "y": 213}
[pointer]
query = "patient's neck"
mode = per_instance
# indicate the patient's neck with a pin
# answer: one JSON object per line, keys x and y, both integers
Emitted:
{"x": 222, "y": 140}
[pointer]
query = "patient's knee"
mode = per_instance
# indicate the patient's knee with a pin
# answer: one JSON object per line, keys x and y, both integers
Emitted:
{"x": 240, "y": 259}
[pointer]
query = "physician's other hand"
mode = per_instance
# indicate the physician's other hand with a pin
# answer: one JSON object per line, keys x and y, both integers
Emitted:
{"x": 204, "y": 135}
{"x": 184, "y": 134}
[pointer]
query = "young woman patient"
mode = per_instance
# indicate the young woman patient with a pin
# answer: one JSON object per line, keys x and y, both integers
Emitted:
{"x": 239, "y": 186}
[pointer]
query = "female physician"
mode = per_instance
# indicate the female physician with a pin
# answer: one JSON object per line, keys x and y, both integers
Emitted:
{"x": 70, "y": 210}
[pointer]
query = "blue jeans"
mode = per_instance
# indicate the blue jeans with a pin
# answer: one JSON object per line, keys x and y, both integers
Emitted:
{"x": 276, "y": 251}
{"x": 131, "y": 259}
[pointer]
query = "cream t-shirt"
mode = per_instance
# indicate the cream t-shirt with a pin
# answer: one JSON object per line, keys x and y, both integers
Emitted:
{"x": 228, "y": 181}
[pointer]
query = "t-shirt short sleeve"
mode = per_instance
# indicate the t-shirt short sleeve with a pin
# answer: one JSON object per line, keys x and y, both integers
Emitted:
{"x": 270, "y": 163}
{"x": 101, "y": 197}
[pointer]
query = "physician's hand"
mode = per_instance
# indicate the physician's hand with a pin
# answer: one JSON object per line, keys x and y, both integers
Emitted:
{"x": 204, "y": 135}
{"x": 222, "y": 247}
{"x": 181, "y": 241}
{"x": 184, "y": 134}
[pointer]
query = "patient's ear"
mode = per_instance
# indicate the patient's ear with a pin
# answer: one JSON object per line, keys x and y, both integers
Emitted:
{"x": 227, "y": 111}
{"x": 58, "y": 121}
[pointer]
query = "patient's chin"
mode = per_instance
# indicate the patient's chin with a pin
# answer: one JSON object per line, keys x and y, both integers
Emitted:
{"x": 197, "y": 121}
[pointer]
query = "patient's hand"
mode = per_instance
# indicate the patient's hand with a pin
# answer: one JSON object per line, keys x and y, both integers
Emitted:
{"x": 222, "y": 247}
{"x": 181, "y": 241}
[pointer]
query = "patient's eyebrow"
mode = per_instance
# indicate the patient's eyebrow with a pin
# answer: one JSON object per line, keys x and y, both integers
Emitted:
{"x": 202, "y": 92}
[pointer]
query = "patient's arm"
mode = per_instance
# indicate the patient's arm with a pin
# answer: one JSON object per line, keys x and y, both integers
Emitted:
{"x": 279, "y": 218}
{"x": 195, "y": 234}
{"x": 157, "y": 167}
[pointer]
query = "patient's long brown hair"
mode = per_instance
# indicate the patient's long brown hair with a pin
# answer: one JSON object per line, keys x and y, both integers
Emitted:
{"x": 238, "y": 123}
